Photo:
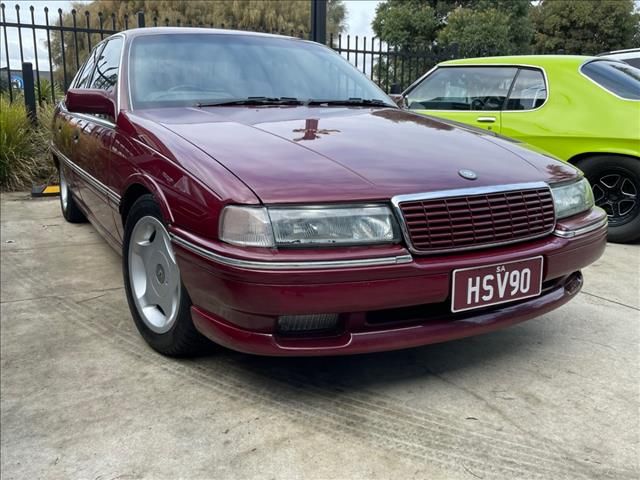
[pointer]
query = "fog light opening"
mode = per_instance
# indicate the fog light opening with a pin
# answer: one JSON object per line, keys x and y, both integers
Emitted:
{"x": 573, "y": 283}
{"x": 311, "y": 323}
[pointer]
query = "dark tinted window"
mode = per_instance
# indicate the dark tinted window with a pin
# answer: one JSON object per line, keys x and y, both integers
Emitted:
{"x": 463, "y": 88}
{"x": 634, "y": 62}
{"x": 84, "y": 77}
{"x": 107, "y": 66}
{"x": 529, "y": 91}
{"x": 192, "y": 68}
{"x": 617, "y": 77}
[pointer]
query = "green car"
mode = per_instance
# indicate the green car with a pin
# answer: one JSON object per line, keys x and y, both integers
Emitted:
{"x": 584, "y": 110}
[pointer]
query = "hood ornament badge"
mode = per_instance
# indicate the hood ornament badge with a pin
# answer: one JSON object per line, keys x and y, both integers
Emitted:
{"x": 468, "y": 174}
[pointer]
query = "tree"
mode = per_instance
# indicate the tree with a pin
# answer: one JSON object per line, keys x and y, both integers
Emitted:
{"x": 281, "y": 16}
{"x": 585, "y": 26}
{"x": 415, "y": 28}
{"x": 477, "y": 34}
{"x": 489, "y": 27}
{"x": 417, "y": 23}
{"x": 406, "y": 23}
{"x": 409, "y": 27}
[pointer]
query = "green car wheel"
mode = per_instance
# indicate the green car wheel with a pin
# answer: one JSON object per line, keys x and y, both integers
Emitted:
{"x": 616, "y": 187}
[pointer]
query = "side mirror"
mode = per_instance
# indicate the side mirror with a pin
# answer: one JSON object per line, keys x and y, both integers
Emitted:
{"x": 91, "y": 101}
{"x": 399, "y": 99}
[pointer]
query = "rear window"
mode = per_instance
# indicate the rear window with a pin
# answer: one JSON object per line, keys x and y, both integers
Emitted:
{"x": 617, "y": 77}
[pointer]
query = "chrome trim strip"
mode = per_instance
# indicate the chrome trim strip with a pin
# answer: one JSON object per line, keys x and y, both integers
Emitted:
{"x": 89, "y": 118}
{"x": 398, "y": 199}
{"x": 598, "y": 224}
{"x": 308, "y": 265}
{"x": 460, "y": 192}
{"x": 90, "y": 179}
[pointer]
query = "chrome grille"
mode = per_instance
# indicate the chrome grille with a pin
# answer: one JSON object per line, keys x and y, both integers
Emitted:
{"x": 477, "y": 219}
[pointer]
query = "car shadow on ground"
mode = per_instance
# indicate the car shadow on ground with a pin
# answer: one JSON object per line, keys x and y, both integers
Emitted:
{"x": 378, "y": 370}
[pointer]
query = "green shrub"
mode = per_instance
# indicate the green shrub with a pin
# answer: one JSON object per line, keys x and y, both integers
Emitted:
{"x": 24, "y": 148}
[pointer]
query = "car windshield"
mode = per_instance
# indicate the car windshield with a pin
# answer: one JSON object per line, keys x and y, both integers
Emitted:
{"x": 197, "y": 69}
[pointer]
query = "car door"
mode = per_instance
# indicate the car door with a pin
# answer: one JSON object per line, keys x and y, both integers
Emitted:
{"x": 524, "y": 116}
{"x": 95, "y": 136}
{"x": 469, "y": 94}
{"x": 67, "y": 127}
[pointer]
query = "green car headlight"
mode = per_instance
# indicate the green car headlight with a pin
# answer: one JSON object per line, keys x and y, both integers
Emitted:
{"x": 572, "y": 199}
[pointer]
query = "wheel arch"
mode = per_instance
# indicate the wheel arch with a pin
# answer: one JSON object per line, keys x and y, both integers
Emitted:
{"x": 581, "y": 156}
{"x": 137, "y": 186}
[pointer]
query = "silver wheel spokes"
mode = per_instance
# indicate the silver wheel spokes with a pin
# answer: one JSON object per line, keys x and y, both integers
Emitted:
{"x": 154, "y": 274}
{"x": 64, "y": 190}
{"x": 615, "y": 193}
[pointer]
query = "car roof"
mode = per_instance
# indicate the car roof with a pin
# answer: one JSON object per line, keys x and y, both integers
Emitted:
{"x": 142, "y": 32}
{"x": 616, "y": 52}
{"x": 623, "y": 55}
{"x": 535, "y": 60}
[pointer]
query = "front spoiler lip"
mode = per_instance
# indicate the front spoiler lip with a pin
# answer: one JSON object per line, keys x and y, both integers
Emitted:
{"x": 349, "y": 343}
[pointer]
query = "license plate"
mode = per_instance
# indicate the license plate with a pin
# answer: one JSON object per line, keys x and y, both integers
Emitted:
{"x": 479, "y": 287}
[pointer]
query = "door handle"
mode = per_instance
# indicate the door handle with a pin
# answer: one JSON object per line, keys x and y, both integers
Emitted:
{"x": 486, "y": 119}
{"x": 76, "y": 137}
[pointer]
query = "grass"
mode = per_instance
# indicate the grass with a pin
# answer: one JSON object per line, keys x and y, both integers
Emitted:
{"x": 24, "y": 149}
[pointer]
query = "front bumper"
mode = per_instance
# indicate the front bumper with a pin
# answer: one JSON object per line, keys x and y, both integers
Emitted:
{"x": 393, "y": 305}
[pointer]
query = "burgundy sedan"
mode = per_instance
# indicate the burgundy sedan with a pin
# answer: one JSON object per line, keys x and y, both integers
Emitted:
{"x": 266, "y": 195}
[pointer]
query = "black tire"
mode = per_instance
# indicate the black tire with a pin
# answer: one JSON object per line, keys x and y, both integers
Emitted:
{"x": 624, "y": 217}
{"x": 182, "y": 339}
{"x": 70, "y": 210}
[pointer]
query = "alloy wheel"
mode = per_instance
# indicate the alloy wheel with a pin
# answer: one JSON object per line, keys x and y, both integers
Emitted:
{"x": 616, "y": 193}
{"x": 153, "y": 274}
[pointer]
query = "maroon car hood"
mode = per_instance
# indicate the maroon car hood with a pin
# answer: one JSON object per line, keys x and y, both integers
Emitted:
{"x": 316, "y": 154}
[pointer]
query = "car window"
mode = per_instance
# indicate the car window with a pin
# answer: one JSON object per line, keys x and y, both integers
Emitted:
{"x": 619, "y": 78}
{"x": 195, "y": 68}
{"x": 107, "y": 66}
{"x": 529, "y": 91}
{"x": 83, "y": 79}
{"x": 463, "y": 88}
{"x": 634, "y": 62}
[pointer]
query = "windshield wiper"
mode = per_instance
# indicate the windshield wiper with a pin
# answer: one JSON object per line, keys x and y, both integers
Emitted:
{"x": 353, "y": 101}
{"x": 253, "y": 101}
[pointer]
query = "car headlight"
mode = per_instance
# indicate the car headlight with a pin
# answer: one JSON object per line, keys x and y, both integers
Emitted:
{"x": 573, "y": 198}
{"x": 299, "y": 226}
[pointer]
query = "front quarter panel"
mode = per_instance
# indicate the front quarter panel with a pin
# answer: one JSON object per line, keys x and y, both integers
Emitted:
{"x": 191, "y": 189}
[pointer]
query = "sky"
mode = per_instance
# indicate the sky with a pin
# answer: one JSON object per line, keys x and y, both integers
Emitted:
{"x": 360, "y": 16}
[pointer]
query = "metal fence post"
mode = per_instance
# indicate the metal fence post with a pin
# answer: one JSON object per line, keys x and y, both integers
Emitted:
{"x": 319, "y": 21}
{"x": 29, "y": 91}
{"x": 141, "y": 19}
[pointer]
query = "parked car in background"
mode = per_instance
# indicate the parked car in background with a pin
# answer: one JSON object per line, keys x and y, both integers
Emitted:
{"x": 583, "y": 110}
{"x": 630, "y": 56}
{"x": 256, "y": 188}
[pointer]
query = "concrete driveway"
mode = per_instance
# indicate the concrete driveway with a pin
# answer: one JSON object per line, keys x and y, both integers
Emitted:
{"x": 82, "y": 396}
